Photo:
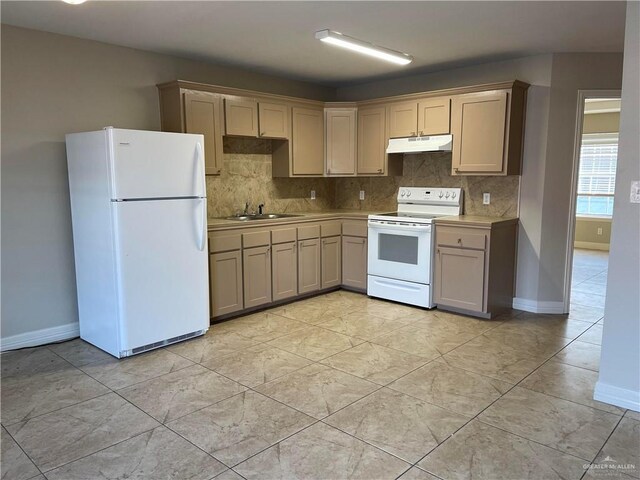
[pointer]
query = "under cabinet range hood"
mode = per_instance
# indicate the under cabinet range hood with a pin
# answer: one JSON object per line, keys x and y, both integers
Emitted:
{"x": 434, "y": 143}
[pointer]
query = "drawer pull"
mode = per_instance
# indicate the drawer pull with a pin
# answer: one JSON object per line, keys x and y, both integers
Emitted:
{"x": 460, "y": 241}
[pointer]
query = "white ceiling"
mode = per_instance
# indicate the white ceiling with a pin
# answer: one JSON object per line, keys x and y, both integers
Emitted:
{"x": 278, "y": 37}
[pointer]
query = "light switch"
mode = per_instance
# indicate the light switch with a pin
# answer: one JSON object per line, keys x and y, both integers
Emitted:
{"x": 486, "y": 198}
{"x": 361, "y": 194}
{"x": 635, "y": 192}
{"x": 313, "y": 194}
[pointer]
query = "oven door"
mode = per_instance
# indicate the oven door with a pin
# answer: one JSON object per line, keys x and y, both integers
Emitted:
{"x": 400, "y": 251}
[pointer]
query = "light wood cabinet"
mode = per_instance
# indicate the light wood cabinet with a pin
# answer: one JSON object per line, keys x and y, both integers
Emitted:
{"x": 331, "y": 261}
{"x": 273, "y": 120}
{"x": 308, "y": 265}
{"x": 340, "y": 144}
{"x": 307, "y": 141}
{"x": 487, "y": 130}
{"x": 372, "y": 139}
{"x": 241, "y": 117}
{"x": 225, "y": 270}
{"x": 474, "y": 267}
{"x": 430, "y": 116}
{"x": 354, "y": 262}
{"x": 256, "y": 263}
{"x": 202, "y": 115}
{"x": 434, "y": 116}
{"x": 284, "y": 270}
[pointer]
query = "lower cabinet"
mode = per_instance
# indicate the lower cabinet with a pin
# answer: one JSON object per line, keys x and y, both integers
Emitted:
{"x": 331, "y": 262}
{"x": 475, "y": 267}
{"x": 308, "y": 265}
{"x": 257, "y": 276}
{"x": 225, "y": 270}
{"x": 354, "y": 262}
{"x": 284, "y": 270}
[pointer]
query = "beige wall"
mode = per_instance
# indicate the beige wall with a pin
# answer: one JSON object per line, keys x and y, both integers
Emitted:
{"x": 52, "y": 85}
{"x": 587, "y": 235}
{"x": 619, "y": 379}
{"x": 601, "y": 123}
{"x": 430, "y": 170}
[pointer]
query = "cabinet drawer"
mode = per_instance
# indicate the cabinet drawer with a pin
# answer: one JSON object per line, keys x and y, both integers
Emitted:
{"x": 308, "y": 231}
{"x": 255, "y": 239}
{"x": 283, "y": 235}
{"x": 220, "y": 242}
{"x": 461, "y": 237}
{"x": 330, "y": 229}
{"x": 355, "y": 229}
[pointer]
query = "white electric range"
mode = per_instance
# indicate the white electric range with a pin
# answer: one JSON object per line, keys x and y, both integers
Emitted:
{"x": 401, "y": 244}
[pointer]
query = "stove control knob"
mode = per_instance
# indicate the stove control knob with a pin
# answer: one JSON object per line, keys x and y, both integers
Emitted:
{"x": 408, "y": 193}
{"x": 453, "y": 194}
{"x": 447, "y": 195}
{"x": 402, "y": 193}
{"x": 440, "y": 194}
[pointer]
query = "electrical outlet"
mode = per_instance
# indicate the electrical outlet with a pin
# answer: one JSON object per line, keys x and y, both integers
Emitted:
{"x": 361, "y": 194}
{"x": 635, "y": 192}
{"x": 313, "y": 194}
{"x": 486, "y": 198}
{"x": 599, "y": 230}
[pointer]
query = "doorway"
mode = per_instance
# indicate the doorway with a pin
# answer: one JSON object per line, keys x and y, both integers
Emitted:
{"x": 594, "y": 169}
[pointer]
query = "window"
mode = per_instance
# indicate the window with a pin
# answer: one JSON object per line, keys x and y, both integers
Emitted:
{"x": 597, "y": 174}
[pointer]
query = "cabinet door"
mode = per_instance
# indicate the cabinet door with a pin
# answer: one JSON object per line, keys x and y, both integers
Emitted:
{"x": 202, "y": 115}
{"x": 459, "y": 278}
{"x": 403, "y": 119}
{"x": 257, "y": 276}
{"x": 354, "y": 262}
{"x": 331, "y": 262}
{"x": 308, "y": 265}
{"x": 478, "y": 123}
{"x": 226, "y": 282}
{"x": 241, "y": 117}
{"x": 307, "y": 141}
{"x": 372, "y": 140}
{"x": 284, "y": 270}
{"x": 340, "y": 127}
{"x": 434, "y": 116}
{"x": 273, "y": 120}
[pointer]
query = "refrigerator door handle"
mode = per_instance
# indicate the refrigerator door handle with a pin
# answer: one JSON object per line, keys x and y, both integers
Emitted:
{"x": 201, "y": 180}
{"x": 203, "y": 219}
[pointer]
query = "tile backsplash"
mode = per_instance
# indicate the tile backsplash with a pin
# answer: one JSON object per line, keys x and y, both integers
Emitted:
{"x": 246, "y": 176}
{"x": 430, "y": 170}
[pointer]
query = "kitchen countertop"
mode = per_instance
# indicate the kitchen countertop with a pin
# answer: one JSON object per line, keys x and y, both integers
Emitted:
{"x": 475, "y": 220}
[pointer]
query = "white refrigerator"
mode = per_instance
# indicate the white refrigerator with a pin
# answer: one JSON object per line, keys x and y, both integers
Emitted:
{"x": 139, "y": 215}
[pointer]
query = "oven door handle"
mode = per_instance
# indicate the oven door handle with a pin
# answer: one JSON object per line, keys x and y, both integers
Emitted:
{"x": 412, "y": 228}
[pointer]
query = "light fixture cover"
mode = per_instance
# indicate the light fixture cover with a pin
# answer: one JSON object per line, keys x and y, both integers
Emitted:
{"x": 366, "y": 48}
{"x": 74, "y": 2}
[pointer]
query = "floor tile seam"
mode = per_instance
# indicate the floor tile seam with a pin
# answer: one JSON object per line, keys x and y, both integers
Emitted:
{"x": 142, "y": 381}
{"x": 568, "y": 400}
{"x": 25, "y": 453}
{"x": 44, "y": 472}
{"x": 591, "y": 462}
{"x": 75, "y": 404}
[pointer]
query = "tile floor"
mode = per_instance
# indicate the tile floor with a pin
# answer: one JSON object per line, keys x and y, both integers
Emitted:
{"x": 337, "y": 386}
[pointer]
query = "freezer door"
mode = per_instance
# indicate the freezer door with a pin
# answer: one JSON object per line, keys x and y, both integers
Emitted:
{"x": 156, "y": 164}
{"x": 162, "y": 269}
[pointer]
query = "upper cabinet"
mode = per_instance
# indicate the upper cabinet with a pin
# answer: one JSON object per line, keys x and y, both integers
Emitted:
{"x": 429, "y": 116}
{"x": 250, "y": 118}
{"x": 307, "y": 141}
{"x": 488, "y": 131}
{"x": 187, "y": 111}
{"x": 340, "y": 143}
{"x": 372, "y": 141}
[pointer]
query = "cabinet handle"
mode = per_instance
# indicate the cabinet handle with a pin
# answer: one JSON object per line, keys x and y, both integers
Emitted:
{"x": 421, "y": 134}
{"x": 295, "y": 246}
{"x": 262, "y": 134}
{"x": 379, "y": 170}
{"x": 460, "y": 241}
{"x": 328, "y": 170}
{"x": 363, "y": 241}
{"x": 413, "y": 134}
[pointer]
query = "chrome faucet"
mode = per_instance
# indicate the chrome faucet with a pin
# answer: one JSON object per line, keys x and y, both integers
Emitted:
{"x": 260, "y": 209}
{"x": 246, "y": 209}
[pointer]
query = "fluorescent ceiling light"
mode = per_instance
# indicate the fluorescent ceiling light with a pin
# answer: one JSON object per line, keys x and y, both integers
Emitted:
{"x": 74, "y": 2}
{"x": 366, "y": 48}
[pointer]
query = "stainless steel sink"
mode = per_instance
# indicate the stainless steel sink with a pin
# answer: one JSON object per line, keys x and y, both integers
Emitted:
{"x": 264, "y": 216}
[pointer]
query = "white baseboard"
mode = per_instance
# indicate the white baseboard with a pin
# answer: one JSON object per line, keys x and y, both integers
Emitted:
{"x": 40, "y": 337}
{"x": 620, "y": 397}
{"x": 535, "y": 306}
{"x": 592, "y": 245}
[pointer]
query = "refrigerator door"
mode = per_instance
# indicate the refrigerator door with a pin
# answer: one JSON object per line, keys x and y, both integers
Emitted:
{"x": 162, "y": 270}
{"x": 155, "y": 164}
